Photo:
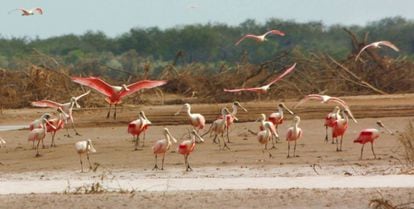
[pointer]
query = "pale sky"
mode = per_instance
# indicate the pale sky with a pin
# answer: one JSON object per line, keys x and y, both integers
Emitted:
{"x": 115, "y": 17}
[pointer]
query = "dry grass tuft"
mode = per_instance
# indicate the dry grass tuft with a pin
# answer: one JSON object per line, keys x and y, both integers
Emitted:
{"x": 407, "y": 141}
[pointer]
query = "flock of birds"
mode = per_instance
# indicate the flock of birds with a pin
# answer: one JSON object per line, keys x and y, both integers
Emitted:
{"x": 337, "y": 120}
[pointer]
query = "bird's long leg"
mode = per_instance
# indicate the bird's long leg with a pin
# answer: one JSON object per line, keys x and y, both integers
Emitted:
{"x": 109, "y": 111}
{"x": 372, "y": 149}
{"x": 277, "y": 132}
{"x": 185, "y": 162}
{"x": 73, "y": 126}
{"x": 162, "y": 165}
{"x": 362, "y": 149}
{"x": 326, "y": 135}
{"x": 43, "y": 143}
{"x": 80, "y": 158}
{"x": 224, "y": 141}
{"x": 270, "y": 154}
{"x": 288, "y": 149}
{"x": 156, "y": 165}
{"x": 188, "y": 165}
{"x": 137, "y": 143}
{"x": 228, "y": 138}
{"x": 214, "y": 140}
{"x": 294, "y": 150}
{"x": 273, "y": 142}
{"x": 87, "y": 157}
{"x": 37, "y": 148}
{"x": 143, "y": 140}
{"x": 115, "y": 112}
{"x": 53, "y": 139}
{"x": 67, "y": 131}
{"x": 337, "y": 145}
{"x": 333, "y": 142}
{"x": 340, "y": 147}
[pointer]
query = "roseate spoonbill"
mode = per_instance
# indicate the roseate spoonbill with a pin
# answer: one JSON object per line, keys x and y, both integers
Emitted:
{"x": 327, "y": 99}
{"x": 84, "y": 147}
{"x": 58, "y": 123}
{"x": 38, "y": 134}
{"x": 277, "y": 117}
{"x": 138, "y": 126}
{"x": 330, "y": 121}
{"x": 272, "y": 128}
{"x": 186, "y": 148}
{"x": 28, "y": 12}
{"x": 2, "y": 143}
{"x": 339, "y": 128}
{"x": 265, "y": 88}
{"x": 66, "y": 107}
{"x": 162, "y": 146}
{"x": 265, "y": 136}
{"x": 114, "y": 94}
{"x": 294, "y": 133}
{"x": 196, "y": 119}
{"x": 377, "y": 44}
{"x": 218, "y": 128}
{"x": 260, "y": 38}
{"x": 232, "y": 117}
{"x": 369, "y": 135}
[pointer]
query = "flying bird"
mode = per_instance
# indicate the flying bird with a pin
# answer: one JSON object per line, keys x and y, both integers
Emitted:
{"x": 327, "y": 99}
{"x": 28, "y": 12}
{"x": 265, "y": 88}
{"x": 260, "y": 38}
{"x": 114, "y": 94}
{"x": 378, "y": 44}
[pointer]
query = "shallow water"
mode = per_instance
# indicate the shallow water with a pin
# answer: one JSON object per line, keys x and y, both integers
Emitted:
{"x": 12, "y": 127}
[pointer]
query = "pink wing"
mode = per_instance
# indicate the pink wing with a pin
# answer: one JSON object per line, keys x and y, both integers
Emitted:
{"x": 25, "y": 11}
{"x": 289, "y": 70}
{"x": 95, "y": 83}
{"x": 38, "y": 10}
{"x": 275, "y": 32}
{"x": 246, "y": 36}
{"x": 255, "y": 89}
{"x": 309, "y": 97}
{"x": 365, "y": 47}
{"x": 145, "y": 84}
{"x": 338, "y": 101}
{"x": 46, "y": 103}
{"x": 389, "y": 44}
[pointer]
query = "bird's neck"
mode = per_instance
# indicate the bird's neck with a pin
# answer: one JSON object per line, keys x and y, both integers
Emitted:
{"x": 234, "y": 110}
{"x": 280, "y": 111}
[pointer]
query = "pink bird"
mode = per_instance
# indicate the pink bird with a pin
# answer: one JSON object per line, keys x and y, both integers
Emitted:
{"x": 265, "y": 88}
{"x": 38, "y": 134}
{"x": 28, "y": 12}
{"x": 162, "y": 146}
{"x": 339, "y": 128}
{"x": 260, "y": 38}
{"x": 294, "y": 133}
{"x": 196, "y": 119}
{"x": 264, "y": 136}
{"x": 66, "y": 107}
{"x": 330, "y": 121}
{"x": 232, "y": 117}
{"x": 369, "y": 135}
{"x": 186, "y": 148}
{"x": 272, "y": 128}
{"x": 277, "y": 117}
{"x": 114, "y": 94}
{"x": 377, "y": 44}
{"x": 138, "y": 126}
{"x": 327, "y": 99}
{"x": 58, "y": 123}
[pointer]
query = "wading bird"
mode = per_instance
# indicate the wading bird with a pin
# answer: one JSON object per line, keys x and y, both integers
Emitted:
{"x": 265, "y": 88}
{"x": 162, "y": 146}
{"x": 38, "y": 134}
{"x": 260, "y": 38}
{"x": 58, "y": 123}
{"x": 330, "y": 121}
{"x": 327, "y": 99}
{"x": 28, "y": 12}
{"x": 196, "y": 119}
{"x": 66, "y": 107}
{"x": 264, "y": 137}
{"x": 232, "y": 117}
{"x": 339, "y": 128}
{"x": 186, "y": 148}
{"x": 294, "y": 133}
{"x": 277, "y": 117}
{"x": 138, "y": 126}
{"x": 114, "y": 94}
{"x": 84, "y": 147}
{"x": 377, "y": 44}
{"x": 272, "y": 128}
{"x": 218, "y": 128}
{"x": 369, "y": 135}
{"x": 2, "y": 143}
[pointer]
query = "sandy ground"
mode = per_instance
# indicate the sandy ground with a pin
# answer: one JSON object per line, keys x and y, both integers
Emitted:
{"x": 116, "y": 157}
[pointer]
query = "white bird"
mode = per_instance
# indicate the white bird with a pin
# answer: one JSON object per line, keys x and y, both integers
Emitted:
{"x": 196, "y": 119}
{"x": 84, "y": 147}
{"x": 218, "y": 128}
{"x": 28, "y": 12}
{"x": 2, "y": 143}
{"x": 260, "y": 38}
{"x": 162, "y": 146}
{"x": 327, "y": 99}
{"x": 378, "y": 44}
